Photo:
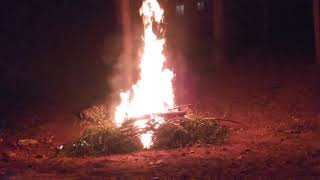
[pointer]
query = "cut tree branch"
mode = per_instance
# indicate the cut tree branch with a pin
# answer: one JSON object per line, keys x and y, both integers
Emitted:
{"x": 152, "y": 116}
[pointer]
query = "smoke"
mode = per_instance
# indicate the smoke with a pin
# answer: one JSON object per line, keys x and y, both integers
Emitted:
{"x": 122, "y": 60}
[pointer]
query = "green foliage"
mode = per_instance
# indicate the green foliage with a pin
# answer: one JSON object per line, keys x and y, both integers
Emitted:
{"x": 102, "y": 137}
{"x": 189, "y": 132}
{"x": 170, "y": 135}
{"x": 98, "y": 115}
{"x": 103, "y": 140}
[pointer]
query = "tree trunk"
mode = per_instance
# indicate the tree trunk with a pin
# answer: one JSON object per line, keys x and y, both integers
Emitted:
{"x": 265, "y": 25}
{"x": 126, "y": 25}
{"x": 316, "y": 17}
{"x": 218, "y": 32}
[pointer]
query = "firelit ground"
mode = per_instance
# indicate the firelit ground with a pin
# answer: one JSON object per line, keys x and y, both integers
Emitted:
{"x": 276, "y": 104}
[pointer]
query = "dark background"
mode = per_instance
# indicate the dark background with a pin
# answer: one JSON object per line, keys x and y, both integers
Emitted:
{"x": 53, "y": 51}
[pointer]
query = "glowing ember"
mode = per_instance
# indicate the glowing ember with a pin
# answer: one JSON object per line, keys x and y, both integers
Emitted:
{"x": 153, "y": 93}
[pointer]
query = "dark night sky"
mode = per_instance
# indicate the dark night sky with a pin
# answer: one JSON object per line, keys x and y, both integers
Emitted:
{"x": 49, "y": 44}
{"x": 45, "y": 25}
{"x": 54, "y": 48}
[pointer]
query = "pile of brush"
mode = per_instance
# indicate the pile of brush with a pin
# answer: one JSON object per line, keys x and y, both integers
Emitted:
{"x": 182, "y": 128}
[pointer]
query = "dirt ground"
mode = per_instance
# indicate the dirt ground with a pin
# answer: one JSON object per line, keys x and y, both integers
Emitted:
{"x": 278, "y": 136}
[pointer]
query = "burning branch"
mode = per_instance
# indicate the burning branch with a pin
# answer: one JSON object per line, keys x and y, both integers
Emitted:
{"x": 153, "y": 116}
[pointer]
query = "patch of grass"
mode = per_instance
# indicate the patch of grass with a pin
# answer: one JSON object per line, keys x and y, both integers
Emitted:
{"x": 103, "y": 140}
{"x": 189, "y": 132}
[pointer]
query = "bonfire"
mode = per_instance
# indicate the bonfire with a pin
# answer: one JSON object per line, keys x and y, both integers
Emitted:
{"x": 147, "y": 116}
{"x": 152, "y": 97}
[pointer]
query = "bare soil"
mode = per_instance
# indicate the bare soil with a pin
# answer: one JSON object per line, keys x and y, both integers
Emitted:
{"x": 278, "y": 136}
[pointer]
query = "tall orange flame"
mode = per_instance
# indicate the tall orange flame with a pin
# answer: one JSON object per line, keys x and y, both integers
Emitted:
{"x": 153, "y": 93}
